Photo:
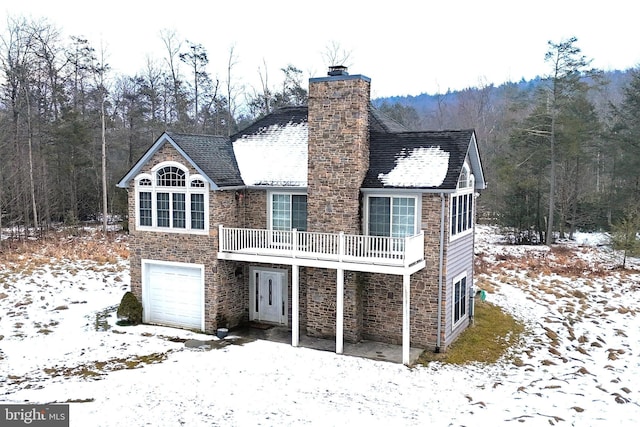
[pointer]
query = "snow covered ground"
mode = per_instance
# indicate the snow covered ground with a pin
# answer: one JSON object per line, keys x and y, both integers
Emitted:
{"x": 579, "y": 364}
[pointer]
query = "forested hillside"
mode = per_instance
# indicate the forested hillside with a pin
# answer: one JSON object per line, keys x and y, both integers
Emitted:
{"x": 573, "y": 133}
{"x": 560, "y": 152}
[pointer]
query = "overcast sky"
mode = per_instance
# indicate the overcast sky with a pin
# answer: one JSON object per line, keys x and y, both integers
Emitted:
{"x": 405, "y": 47}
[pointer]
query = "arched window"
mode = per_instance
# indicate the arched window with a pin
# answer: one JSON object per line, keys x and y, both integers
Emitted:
{"x": 462, "y": 204}
{"x": 170, "y": 199}
{"x": 464, "y": 177}
{"x": 170, "y": 176}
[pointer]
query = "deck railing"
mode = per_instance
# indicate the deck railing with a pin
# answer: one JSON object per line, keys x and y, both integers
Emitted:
{"x": 340, "y": 247}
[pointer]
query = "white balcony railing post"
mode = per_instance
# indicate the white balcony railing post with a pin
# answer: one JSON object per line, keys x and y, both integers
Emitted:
{"x": 221, "y": 247}
{"x": 294, "y": 243}
{"x": 341, "y": 246}
{"x": 406, "y": 250}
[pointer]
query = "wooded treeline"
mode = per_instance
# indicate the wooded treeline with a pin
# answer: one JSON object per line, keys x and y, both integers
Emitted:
{"x": 56, "y": 91}
{"x": 560, "y": 153}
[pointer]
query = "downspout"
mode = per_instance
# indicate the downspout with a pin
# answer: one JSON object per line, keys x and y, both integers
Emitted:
{"x": 440, "y": 269}
{"x": 472, "y": 293}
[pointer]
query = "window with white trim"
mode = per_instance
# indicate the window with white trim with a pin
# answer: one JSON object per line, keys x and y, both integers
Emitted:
{"x": 392, "y": 216}
{"x": 288, "y": 211}
{"x": 461, "y": 211}
{"x": 145, "y": 203}
{"x": 170, "y": 199}
{"x": 459, "y": 298}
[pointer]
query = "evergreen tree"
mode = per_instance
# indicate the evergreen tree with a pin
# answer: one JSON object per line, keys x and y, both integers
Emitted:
{"x": 568, "y": 67}
{"x": 624, "y": 151}
{"x": 624, "y": 235}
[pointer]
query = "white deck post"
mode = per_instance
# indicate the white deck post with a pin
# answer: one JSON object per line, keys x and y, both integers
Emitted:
{"x": 295, "y": 301}
{"x": 406, "y": 312}
{"x": 339, "y": 311}
{"x": 294, "y": 242}
{"x": 406, "y": 250}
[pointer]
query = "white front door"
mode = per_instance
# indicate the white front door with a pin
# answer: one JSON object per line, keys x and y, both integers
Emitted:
{"x": 269, "y": 296}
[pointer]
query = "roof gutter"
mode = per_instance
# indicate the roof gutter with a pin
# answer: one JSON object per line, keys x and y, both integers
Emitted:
{"x": 440, "y": 269}
{"x": 408, "y": 190}
{"x": 232, "y": 188}
{"x": 276, "y": 187}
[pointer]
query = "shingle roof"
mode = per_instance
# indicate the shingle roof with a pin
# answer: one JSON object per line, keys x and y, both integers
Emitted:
{"x": 213, "y": 154}
{"x": 380, "y": 122}
{"x": 425, "y": 160}
{"x": 273, "y": 150}
{"x": 296, "y": 114}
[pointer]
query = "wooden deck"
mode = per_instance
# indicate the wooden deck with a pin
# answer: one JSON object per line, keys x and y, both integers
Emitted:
{"x": 304, "y": 248}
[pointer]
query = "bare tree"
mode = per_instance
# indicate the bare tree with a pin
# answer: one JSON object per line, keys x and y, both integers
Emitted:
{"x": 17, "y": 64}
{"x": 101, "y": 85}
{"x": 152, "y": 88}
{"x": 32, "y": 184}
{"x": 173, "y": 46}
{"x": 230, "y": 90}
{"x": 335, "y": 54}
{"x": 262, "y": 100}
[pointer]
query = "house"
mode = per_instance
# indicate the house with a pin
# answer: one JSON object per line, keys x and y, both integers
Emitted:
{"x": 329, "y": 219}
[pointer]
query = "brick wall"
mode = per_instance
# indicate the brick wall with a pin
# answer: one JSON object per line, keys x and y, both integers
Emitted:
{"x": 353, "y": 294}
{"x": 337, "y": 163}
{"x": 382, "y": 294}
{"x": 338, "y": 152}
{"x": 382, "y": 308}
{"x": 424, "y": 283}
{"x": 321, "y": 302}
{"x": 226, "y": 294}
{"x": 254, "y": 209}
{"x": 230, "y": 277}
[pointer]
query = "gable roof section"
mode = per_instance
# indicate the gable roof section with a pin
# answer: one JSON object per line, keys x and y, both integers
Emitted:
{"x": 476, "y": 164}
{"x": 421, "y": 160}
{"x": 380, "y": 122}
{"x": 273, "y": 150}
{"x": 211, "y": 155}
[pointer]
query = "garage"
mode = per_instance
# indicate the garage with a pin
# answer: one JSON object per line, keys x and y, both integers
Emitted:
{"x": 173, "y": 294}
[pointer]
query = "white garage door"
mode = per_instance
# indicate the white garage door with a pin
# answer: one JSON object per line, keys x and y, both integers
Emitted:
{"x": 173, "y": 294}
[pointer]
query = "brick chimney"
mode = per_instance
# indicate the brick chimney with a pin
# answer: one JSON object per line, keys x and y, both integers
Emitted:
{"x": 338, "y": 150}
{"x": 338, "y": 156}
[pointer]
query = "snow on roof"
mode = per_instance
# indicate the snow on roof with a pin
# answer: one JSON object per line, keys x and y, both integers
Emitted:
{"x": 276, "y": 155}
{"x": 420, "y": 167}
